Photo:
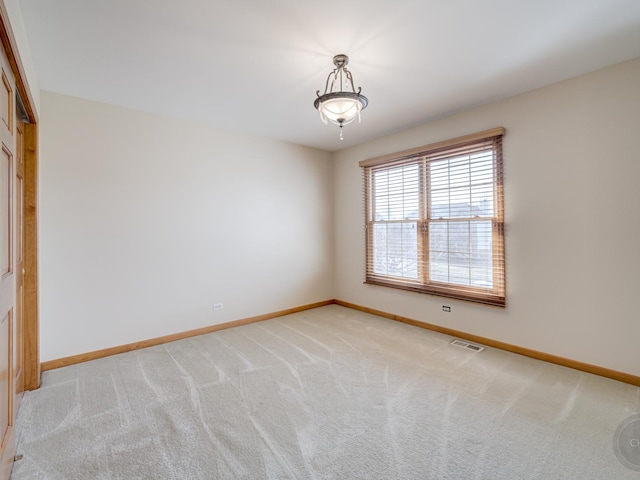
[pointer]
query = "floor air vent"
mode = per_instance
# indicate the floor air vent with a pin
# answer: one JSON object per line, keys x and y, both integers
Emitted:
{"x": 467, "y": 345}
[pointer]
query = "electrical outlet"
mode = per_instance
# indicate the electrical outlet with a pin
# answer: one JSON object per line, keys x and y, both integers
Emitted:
{"x": 446, "y": 308}
{"x": 218, "y": 306}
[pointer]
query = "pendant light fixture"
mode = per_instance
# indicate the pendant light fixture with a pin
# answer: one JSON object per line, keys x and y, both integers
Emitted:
{"x": 340, "y": 103}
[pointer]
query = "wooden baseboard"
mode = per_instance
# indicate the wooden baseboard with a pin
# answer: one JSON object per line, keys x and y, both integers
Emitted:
{"x": 547, "y": 357}
{"x": 106, "y": 352}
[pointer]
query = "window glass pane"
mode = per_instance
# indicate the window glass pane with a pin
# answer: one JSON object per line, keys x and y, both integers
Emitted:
{"x": 459, "y": 171}
{"x": 459, "y": 274}
{"x": 462, "y": 187}
{"x": 396, "y": 193}
{"x": 395, "y": 249}
{"x": 460, "y": 202}
{"x": 482, "y": 170}
{"x": 439, "y": 251}
{"x": 459, "y": 247}
{"x": 481, "y": 243}
{"x": 482, "y": 201}
{"x": 439, "y": 185}
{"x": 461, "y": 253}
{"x": 458, "y": 242}
{"x": 440, "y": 204}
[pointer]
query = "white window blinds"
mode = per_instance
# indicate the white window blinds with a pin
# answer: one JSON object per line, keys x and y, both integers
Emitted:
{"x": 434, "y": 219}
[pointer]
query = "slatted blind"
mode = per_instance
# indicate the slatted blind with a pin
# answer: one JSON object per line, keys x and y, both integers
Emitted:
{"x": 435, "y": 219}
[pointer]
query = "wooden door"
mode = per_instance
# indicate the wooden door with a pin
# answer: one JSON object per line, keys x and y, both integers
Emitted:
{"x": 18, "y": 330}
{"x": 7, "y": 266}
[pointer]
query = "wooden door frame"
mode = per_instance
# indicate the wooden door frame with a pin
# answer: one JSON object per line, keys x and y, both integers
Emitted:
{"x": 31, "y": 338}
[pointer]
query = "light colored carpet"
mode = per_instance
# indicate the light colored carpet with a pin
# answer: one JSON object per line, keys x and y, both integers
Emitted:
{"x": 329, "y": 393}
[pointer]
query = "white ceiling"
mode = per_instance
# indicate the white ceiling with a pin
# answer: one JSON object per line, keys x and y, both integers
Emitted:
{"x": 255, "y": 65}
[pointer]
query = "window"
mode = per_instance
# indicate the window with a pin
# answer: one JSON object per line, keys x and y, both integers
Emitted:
{"x": 434, "y": 219}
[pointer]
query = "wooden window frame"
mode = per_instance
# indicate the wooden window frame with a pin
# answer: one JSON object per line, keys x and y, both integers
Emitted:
{"x": 423, "y": 156}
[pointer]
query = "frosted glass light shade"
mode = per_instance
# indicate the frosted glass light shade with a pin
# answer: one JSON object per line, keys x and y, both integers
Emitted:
{"x": 340, "y": 108}
{"x": 340, "y": 111}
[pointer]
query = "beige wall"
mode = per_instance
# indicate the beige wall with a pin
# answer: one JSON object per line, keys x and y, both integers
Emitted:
{"x": 572, "y": 210}
{"x": 147, "y": 221}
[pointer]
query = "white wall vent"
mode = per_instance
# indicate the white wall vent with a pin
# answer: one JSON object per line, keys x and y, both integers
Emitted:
{"x": 467, "y": 345}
